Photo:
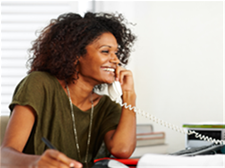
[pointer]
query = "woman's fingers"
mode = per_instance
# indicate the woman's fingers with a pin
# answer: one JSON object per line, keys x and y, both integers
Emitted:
{"x": 56, "y": 159}
{"x": 119, "y": 76}
{"x": 117, "y": 72}
{"x": 125, "y": 78}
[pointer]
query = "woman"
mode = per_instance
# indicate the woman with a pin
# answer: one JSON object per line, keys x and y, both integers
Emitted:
{"x": 72, "y": 57}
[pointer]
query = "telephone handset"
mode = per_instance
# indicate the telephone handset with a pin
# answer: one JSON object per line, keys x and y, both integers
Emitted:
{"x": 114, "y": 91}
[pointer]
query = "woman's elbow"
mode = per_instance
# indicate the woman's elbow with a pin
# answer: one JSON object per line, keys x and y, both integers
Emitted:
{"x": 122, "y": 152}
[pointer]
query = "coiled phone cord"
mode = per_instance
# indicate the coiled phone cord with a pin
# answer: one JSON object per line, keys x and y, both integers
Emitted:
{"x": 169, "y": 125}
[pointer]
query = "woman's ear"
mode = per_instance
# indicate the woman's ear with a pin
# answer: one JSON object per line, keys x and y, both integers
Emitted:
{"x": 78, "y": 58}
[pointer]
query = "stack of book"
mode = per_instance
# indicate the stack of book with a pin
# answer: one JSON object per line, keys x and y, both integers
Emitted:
{"x": 149, "y": 141}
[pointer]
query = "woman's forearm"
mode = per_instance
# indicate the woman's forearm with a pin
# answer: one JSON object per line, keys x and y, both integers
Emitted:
{"x": 124, "y": 138}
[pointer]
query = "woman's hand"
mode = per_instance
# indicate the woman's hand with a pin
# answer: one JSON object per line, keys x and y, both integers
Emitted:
{"x": 125, "y": 77}
{"x": 55, "y": 159}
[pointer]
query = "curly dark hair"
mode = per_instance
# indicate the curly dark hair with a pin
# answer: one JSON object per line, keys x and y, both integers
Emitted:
{"x": 64, "y": 41}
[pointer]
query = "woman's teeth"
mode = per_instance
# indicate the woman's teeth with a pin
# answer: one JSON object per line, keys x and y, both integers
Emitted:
{"x": 109, "y": 69}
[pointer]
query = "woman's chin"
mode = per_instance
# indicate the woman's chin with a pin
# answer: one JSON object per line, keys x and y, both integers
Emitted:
{"x": 109, "y": 80}
{"x": 106, "y": 81}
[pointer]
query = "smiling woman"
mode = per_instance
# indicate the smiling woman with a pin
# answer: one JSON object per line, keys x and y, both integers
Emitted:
{"x": 72, "y": 56}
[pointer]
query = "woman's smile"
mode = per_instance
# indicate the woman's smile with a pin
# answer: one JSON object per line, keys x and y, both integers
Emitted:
{"x": 109, "y": 69}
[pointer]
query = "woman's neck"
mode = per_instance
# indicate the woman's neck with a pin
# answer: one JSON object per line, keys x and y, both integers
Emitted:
{"x": 81, "y": 93}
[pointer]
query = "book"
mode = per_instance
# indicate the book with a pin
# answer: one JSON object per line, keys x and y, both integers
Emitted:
{"x": 156, "y": 149}
{"x": 153, "y": 135}
{"x": 216, "y": 125}
{"x": 153, "y": 138}
{"x": 144, "y": 128}
{"x": 150, "y": 142}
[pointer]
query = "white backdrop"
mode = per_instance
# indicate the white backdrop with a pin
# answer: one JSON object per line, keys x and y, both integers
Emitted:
{"x": 177, "y": 61}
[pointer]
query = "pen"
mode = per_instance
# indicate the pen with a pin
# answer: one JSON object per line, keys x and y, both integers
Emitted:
{"x": 49, "y": 145}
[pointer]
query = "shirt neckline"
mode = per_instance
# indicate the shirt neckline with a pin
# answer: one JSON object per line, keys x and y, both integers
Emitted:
{"x": 74, "y": 106}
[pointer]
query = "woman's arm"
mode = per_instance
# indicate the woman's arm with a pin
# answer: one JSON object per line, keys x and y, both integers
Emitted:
{"x": 15, "y": 139}
{"x": 122, "y": 141}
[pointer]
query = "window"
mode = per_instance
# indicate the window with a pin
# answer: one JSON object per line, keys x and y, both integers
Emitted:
{"x": 20, "y": 21}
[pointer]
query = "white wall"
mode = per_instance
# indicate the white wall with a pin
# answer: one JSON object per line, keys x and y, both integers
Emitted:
{"x": 177, "y": 62}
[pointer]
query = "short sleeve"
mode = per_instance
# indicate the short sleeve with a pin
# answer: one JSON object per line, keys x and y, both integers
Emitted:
{"x": 31, "y": 91}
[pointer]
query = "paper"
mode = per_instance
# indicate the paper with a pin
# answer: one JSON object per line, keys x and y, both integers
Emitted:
{"x": 169, "y": 161}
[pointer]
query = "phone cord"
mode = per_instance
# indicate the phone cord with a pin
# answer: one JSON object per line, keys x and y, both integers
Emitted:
{"x": 169, "y": 125}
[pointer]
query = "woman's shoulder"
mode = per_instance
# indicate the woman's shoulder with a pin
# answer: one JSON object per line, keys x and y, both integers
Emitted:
{"x": 39, "y": 75}
{"x": 38, "y": 78}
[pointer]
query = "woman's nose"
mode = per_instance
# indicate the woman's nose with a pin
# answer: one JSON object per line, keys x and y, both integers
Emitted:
{"x": 114, "y": 59}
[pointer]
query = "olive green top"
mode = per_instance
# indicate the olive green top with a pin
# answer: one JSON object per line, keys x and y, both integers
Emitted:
{"x": 45, "y": 95}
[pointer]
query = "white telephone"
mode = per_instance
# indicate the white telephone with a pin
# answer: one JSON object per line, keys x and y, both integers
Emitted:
{"x": 114, "y": 91}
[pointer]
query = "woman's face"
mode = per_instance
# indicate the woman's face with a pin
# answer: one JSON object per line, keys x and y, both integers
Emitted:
{"x": 99, "y": 63}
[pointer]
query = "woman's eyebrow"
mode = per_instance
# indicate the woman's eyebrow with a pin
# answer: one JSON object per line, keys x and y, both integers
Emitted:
{"x": 108, "y": 46}
{"x": 105, "y": 46}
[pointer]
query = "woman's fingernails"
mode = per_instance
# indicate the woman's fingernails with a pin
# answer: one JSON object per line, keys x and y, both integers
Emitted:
{"x": 71, "y": 165}
{"x": 80, "y": 165}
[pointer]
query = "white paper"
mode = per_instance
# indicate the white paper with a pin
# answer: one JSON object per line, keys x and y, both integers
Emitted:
{"x": 171, "y": 161}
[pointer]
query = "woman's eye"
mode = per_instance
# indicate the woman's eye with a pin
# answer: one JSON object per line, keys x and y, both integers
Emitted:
{"x": 105, "y": 51}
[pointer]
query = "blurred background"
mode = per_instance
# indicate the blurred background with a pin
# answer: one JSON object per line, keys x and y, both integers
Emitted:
{"x": 177, "y": 60}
